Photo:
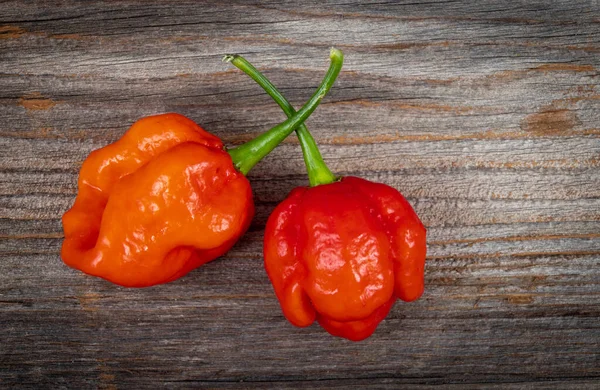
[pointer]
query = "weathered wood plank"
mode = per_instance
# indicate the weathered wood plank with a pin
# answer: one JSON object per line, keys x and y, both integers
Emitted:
{"x": 484, "y": 114}
{"x": 518, "y": 315}
{"x": 552, "y": 99}
{"x": 470, "y": 184}
{"x": 574, "y": 153}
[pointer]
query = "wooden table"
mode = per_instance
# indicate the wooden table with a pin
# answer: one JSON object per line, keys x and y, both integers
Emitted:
{"x": 484, "y": 114}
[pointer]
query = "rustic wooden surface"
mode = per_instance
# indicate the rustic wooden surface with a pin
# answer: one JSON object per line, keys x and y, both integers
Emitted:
{"x": 484, "y": 114}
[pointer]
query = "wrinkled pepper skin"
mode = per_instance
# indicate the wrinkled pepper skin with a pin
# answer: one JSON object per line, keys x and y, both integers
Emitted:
{"x": 342, "y": 253}
{"x": 154, "y": 205}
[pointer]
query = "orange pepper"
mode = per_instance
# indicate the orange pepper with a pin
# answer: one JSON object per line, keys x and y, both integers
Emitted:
{"x": 166, "y": 198}
{"x": 159, "y": 202}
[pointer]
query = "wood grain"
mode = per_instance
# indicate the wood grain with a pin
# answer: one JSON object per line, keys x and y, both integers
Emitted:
{"x": 486, "y": 115}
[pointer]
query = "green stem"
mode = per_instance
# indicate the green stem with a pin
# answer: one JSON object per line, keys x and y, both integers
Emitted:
{"x": 318, "y": 172}
{"x": 249, "y": 154}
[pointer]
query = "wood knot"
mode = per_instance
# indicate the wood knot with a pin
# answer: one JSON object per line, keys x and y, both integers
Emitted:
{"x": 11, "y": 32}
{"x": 521, "y": 299}
{"x": 551, "y": 121}
{"x": 35, "y": 101}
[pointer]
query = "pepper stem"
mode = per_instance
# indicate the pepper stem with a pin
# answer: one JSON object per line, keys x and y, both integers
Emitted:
{"x": 249, "y": 154}
{"x": 318, "y": 172}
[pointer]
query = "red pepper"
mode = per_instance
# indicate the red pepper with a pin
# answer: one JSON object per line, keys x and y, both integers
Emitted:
{"x": 167, "y": 197}
{"x": 340, "y": 251}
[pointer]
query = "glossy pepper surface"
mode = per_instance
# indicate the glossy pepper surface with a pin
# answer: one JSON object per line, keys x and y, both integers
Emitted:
{"x": 341, "y": 251}
{"x": 159, "y": 202}
{"x": 167, "y": 197}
